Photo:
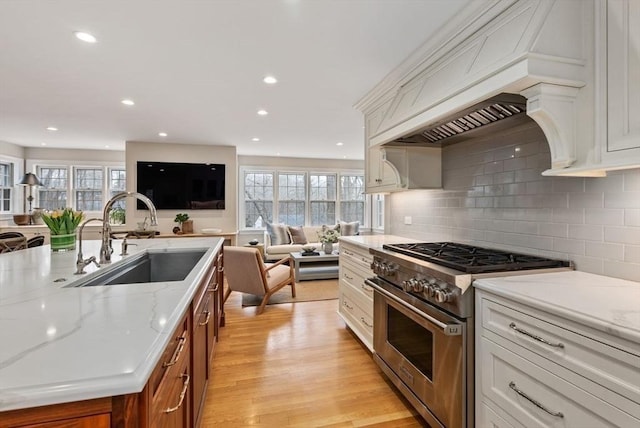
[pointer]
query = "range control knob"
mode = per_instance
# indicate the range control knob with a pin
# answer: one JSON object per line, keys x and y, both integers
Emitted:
{"x": 442, "y": 296}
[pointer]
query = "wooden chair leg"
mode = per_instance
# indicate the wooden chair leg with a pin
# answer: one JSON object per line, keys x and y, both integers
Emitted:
{"x": 293, "y": 288}
{"x": 262, "y": 305}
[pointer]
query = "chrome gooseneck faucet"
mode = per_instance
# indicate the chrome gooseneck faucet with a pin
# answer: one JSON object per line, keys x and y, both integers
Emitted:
{"x": 81, "y": 262}
{"x": 106, "y": 248}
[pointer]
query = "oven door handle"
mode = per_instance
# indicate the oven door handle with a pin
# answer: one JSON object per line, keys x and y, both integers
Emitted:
{"x": 447, "y": 329}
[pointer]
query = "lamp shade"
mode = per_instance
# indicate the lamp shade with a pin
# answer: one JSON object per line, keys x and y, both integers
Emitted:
{"x": 30, "y": 179}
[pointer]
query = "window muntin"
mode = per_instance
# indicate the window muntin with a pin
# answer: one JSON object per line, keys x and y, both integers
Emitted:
{"x": 258, "y": 199}
{"x": 88, "y": 189}
{"x": 352, "y": 198}
{"x": 377, "y": 205}
{"x": 52, "y": 194}
{"x": 291, "y": 198}
{"x": 322, "y": 199}
{"x": 6, "y": 186}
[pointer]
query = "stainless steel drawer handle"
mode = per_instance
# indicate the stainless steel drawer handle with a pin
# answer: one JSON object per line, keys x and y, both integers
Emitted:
{"x": 513, "y": 327}
{"x": 206, "y": 320}
{"x": 185, "y": 385}
{"x": 522, "y": 394}
{"x": 176, "y": 356}
{"x": 365, "y": 322}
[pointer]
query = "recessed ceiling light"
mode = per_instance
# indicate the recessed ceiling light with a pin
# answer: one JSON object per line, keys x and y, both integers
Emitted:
{"x": 263, "y": 112}
{"x": 127, "y": 102}
{"x": 85, "y": 37}
{"x": 43, "y": 144}
{"x": 339, "y": 143}
{"x": 106, "y": 146}
{"x": 162, "y": 134}
{"x": 255, "y": 139}
{"x": 270, "y": 80}
{"x": 52, "y": 128}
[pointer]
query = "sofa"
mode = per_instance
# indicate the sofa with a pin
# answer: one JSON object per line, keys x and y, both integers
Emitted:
{"x": 280, "y": 240}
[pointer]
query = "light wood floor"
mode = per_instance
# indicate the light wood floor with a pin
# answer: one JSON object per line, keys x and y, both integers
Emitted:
{"x": 296, "y": 365}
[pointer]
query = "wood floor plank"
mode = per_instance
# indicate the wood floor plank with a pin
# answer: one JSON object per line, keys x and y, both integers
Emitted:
{"x": 297, "y": 365}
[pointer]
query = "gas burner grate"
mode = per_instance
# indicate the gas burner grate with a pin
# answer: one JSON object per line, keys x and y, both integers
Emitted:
{"x": 472, "y": 259}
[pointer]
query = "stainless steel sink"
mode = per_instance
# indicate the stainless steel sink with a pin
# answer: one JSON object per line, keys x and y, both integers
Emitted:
{"x": 150, "y": 266}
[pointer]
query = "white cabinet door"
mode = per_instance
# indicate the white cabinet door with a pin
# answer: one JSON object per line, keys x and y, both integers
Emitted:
{"x": 623, "y": 75}
{"x": 379, "y": 176}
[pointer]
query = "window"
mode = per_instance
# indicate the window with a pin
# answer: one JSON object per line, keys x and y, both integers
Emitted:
{"x": 300, "y": 198}
{"x": 52, "y": 194}
{"x": 88, "y": 189}
{"x": 258, "y": 199}
{"x": 322, "y": 199}
{"x": 352, "y": 198}
{"x": 6, "y": 186}
{"x": 83, "y": 188}
{"x": 291, "y": 198}
{"x": 117, "y": 183}
{"x": 377, "y": 207}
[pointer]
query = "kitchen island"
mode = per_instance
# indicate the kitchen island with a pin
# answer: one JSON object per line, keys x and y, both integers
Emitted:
{"x": 63, "y": 344}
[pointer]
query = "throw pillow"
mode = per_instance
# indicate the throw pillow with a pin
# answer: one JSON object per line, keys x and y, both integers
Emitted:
{"x": 278, "y": 233}
{"x": 297, "y": 236}
{"x": 349, "y": 229}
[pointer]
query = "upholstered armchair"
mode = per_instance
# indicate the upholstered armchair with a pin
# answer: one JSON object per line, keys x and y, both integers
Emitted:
{"x": 247, "y": 273}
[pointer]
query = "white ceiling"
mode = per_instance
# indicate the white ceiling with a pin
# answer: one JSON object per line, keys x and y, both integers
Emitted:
{"x": 195, "y": 69}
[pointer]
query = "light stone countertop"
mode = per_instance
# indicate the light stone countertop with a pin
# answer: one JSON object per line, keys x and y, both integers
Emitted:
{"x": 375, "y": 241}
{"x": 607, "y": 304}
{"x": 62, "y": 344}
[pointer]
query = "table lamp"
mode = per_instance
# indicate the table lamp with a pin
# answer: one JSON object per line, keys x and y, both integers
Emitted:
{"x": 30, "y": 179}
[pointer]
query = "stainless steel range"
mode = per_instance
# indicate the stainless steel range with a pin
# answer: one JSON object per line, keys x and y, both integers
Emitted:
{"x": 423, "y": 320}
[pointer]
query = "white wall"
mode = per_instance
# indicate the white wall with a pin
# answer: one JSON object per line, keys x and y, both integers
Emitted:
{"x": 191, "y": 153}
{"x": 494, "y": 196}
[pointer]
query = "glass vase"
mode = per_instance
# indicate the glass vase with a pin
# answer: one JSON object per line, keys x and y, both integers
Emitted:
{"x": 63, "y": 242}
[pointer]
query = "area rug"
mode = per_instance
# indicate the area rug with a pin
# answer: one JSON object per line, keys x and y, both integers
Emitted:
{"x": 306, "y": 291}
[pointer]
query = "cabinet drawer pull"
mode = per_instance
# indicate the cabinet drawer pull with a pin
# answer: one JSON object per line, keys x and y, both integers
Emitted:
{"x": 365, "y": 322}
{"x": 348, "y": 253}
{"x": 206, "y": 321}
{"x": 522, "y": 394}
{"x": 185, "y": 385}
{"x": 348, "y": 277}
{"x": 176, "y": 355}
{"x": 347, "y": 305}
{"x": 513, "y": 327}
{"x": 367, "y": 289}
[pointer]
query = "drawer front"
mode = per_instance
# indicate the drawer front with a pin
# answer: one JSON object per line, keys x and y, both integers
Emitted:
{"x": 356, "y": 255}
{"x": 601, "y": 363}
{"x": 174, "y": 355}
{"x": 353, "y": 277}
{"x": 538, "y": 398}
{"x": 360, "y": 322}
{"x": 490, "y": 419}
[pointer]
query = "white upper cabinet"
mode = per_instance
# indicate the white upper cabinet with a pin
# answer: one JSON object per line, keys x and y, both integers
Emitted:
{"x": 619, "y": 81}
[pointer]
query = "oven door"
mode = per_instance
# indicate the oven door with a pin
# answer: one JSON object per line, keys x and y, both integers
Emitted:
{"x": 422, "y": 351}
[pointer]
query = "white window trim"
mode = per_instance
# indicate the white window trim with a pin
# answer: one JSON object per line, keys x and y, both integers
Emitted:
{"x": 18, "y": 200}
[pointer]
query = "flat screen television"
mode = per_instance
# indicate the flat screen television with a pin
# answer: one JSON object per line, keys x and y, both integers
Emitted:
{"x": 182, "y": 186}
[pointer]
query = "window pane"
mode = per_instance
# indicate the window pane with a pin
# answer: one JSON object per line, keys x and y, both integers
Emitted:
{"x": 352, "y": 198}
{"x": 322, "y": 213}
{"x": 52, "y": 194}
{"x": 6, "y": 185}
{"x": 292, "y": 198}
{"x": 88, "y": 189}
{"x": 258, "y": 197}
{"x": 291, "y": 213}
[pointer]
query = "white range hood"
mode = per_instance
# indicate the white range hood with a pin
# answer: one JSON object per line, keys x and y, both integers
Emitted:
{"x": 542, "y": 50}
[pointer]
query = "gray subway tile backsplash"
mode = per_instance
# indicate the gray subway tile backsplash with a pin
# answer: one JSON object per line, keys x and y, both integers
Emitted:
{"x": 494, "y": 194}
